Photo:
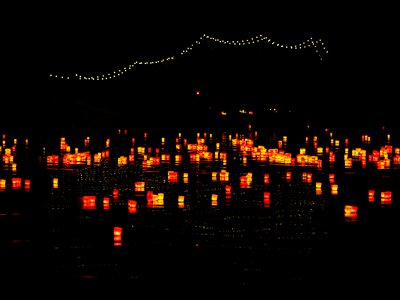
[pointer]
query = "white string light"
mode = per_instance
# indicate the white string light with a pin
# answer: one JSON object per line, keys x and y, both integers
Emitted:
{"x": 317, "y": 45}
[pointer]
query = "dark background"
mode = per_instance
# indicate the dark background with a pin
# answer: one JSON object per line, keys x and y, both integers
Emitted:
{"x": 354, "y": 85}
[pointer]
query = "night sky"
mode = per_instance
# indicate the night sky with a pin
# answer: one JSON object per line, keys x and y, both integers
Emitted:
{"x": 97, "y": 40}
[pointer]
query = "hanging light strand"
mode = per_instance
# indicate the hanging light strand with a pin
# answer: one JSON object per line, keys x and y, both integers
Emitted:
{"x": 317, "y": 45}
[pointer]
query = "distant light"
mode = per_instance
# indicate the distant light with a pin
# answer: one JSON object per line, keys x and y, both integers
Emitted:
{"x": 197, "y": 93}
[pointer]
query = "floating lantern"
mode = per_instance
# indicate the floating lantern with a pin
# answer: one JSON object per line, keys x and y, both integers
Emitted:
{"x": 266, "y": 178}
{"x": 371, "y": 195}
{"x": 117, "y": 236}
{"x": 115, "y": 194}
{"x": 332, "y": 178}
{"x": 185, "y": 177}
{"x": 172, "y": 176}
{"x": 350, "y": 213}
{"x": 181, "y": 201}
{"x": 159, "y": 200}
{"x": 132, "y": 206}
{"x": 139, "y": 186}
{"x": 27, "y": 184}
{"x": 386, "y": 197}
{"x": 2, "y": 184}
{"x": 89, "y": 202}
{"x": 16, "y": 183}
{"x": 214, "y": 199}
{"x": 267, "y": 199}
{"x": 334, "y": 189}
{"x": 106, "y": 203}
{"x": 55, "y": 183}
{"x": 288, "y": 176}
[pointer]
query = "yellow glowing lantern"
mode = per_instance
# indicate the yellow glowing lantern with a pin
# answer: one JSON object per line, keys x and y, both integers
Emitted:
{"x": 334, "y": 189}
{"x": 181, "y": 201}
{"x": 214, "y": 176}
{"x": 160, "y": 200}
{"x": 139, "y": 186}
{"x": 350, "y": 212}
{"x": 214, "y": 199}
{"x": 117, "y": 236}
{"x": 386, "y": 197}
{"x": 224, "y": 175}
{"x": 55, "y": 183}
{"x": 318, "y": 185}
{"x": 2, "y": 184}
{"x": 185, "y": 177}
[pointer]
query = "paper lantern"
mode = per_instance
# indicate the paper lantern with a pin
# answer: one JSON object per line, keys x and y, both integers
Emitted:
{"x": 132, "y": 206}
{"x": 16, "y": 183}
{"x": 331, "y": 178}
{"x": 27, "y": 184}
{"x": 267, "y": 199}
{"x": 139, "y": 186}
{"x": 106, "y": 203}
{"x": 371, "y": 195}
{"x": 350, "y": 213}
{"x": 266, "y": 178}
{"x": 117, "y": 236}
{"x": 115, "y": 194}
{"x": 89, "y": 202}
{"x": 386, "y": 197}
{"x": 334, "y": 189}
{"x": 2, "y": 184}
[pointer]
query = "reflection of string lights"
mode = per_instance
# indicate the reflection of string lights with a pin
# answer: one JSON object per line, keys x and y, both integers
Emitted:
{"x": 317, "y": 45}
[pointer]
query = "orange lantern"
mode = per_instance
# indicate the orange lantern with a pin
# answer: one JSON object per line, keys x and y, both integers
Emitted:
{"x": 106, "y": 203}
{"x": 117, "y": 236}
{"x": 350, "y": 213}
{"x": 371, "y": 195}
{"x": 132, "y": 206}
{"x": 386, "y": 197}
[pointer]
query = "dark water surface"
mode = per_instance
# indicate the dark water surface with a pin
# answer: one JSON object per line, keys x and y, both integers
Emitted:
{"x": 299, "y": 239}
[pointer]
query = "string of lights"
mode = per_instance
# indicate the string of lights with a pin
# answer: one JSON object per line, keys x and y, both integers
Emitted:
{"x": 316, "y": 44}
